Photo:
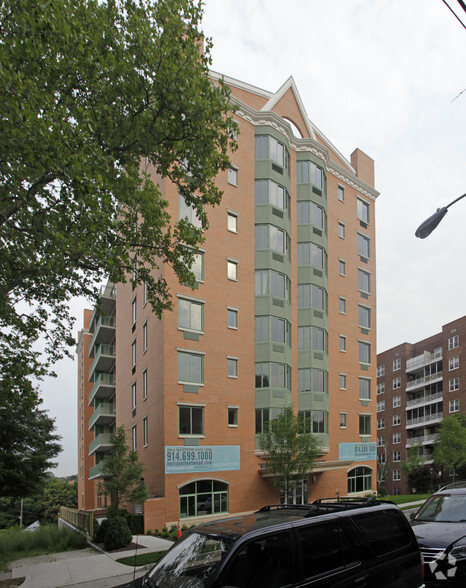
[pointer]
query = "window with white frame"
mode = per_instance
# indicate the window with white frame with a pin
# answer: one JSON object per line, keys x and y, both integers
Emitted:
{"x": 198, "y": 267}
{"x": 232, "y": 318}
{"x": 396, "y": 475}
{"x": 380, "y": 424}
{"x": 145, "y": 429}
{"x": 454, "y": 405}
{"x": 134, "y": 436}
{"x": 144, "y": 384}
{"x": 396, "y": 364}
{"x": 134, "y": 310}
{"x": 342, "y": 305}
{"x": 363, "y": 246}
{"x": 364, "y": 389}
{"x": 364, "y": 316}
{"x": 190, "y": 368}
{"x": 144, "y": 336}
{"x": 190, "y": 314}
{"x": 341, "y": 230}
{"x": 381, "y": 388}
{"x": 381, "y": 441}
{"x": 233, "y": 176}
{"x": 381, "y": 458}
{"x": 232, "y": 269}
{"x": 380, "y": 370}
{"x": 396, "y": 383}
{"x": 362, "y": 210}
{"x": 232, "y": 221}
{"x": 133, "y": 354}
{"x": 188, "y": 212}
{"x": 396, "y": 419}
{"x": 342, "y": 381}
{"x": 145, "y": 292}
{"x": 453, "y": 342}
{"x": 454, "y": 384}
{"x": 133, "y": 395}
{"x": 232, "y": 363}
{"x": 341, "y": 194}
{"x": 453, "y": 363}
{"x": 232, "y": 416}
{"x": 342, "y": 420}
{"x": 342, "y": 343}
{"x": 396, "y": 456}
{"x": 396, "y": 438}
{"x": 342, "y": 267}
{"x": 364, "y": 349}
{"x": 364, "y": 281}
{"x": 380, "y": 405}
{"x": 396, "y": 401}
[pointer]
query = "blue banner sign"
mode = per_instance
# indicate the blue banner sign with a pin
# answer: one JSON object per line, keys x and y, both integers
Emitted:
{"x": 213, "y": 458}
{"x": 357, "y": 451}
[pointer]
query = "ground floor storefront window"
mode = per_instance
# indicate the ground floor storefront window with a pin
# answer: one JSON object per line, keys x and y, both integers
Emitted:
{"x": 297, "y": 495}
{"x": 359, "y": 480}
{"x": 203, "y": 497}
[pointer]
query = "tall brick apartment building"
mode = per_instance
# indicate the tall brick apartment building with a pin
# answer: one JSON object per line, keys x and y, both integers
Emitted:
{"x": 417, "y": 385}
{"x": 283, "y": 313}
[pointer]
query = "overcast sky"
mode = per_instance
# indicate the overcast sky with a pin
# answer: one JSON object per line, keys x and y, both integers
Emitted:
{"x": 381, "y": 75}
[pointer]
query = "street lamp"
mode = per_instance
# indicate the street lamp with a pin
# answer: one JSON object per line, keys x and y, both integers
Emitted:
{"x": 426, "y": 228}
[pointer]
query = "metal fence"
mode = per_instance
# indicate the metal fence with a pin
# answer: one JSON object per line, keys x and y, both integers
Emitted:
{"x": 80, "y": 519}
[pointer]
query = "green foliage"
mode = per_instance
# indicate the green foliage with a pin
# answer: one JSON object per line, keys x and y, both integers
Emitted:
{"x": 422, "y": 479}
{"x": 414, "y": 460}
{"x": 135, "y": 522}
{"x": 10, "y": 509}
{"x": 450, "y": 446}
{"x": 118, "y": 534}
{"x": 98, "y": 99}
{"x": 101, "y": 531}
{"x": 16, "y": 543}
{"x": 125, "y": 483}
{"x": 289, "y": 452}
{"x": 381, "y": 491}
{"x": 28, "y": 443}
{"x": 58, "y": 493}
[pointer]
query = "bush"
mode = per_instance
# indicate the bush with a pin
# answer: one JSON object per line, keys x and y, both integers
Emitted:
{"x": 382, "y": 491}
{"x": 135, "y": 522}
{"x": 101, "y": 531}
{"x": 118, "y": 534}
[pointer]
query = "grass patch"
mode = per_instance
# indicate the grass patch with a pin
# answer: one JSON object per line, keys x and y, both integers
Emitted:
{"x": 407, "y": 498}
{"x": 16, "y": 543}
{"x": 143, "y": 559}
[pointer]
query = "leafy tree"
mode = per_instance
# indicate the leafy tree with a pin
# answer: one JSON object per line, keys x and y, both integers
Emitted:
{"x": 290, "y": 453}
{"x": 99, "y": 99}
{"x": 58, "y": 493}
{"x": 450, "y": 447}
{"x": 413, "y": 461}
{"x": 422, "y": 479}
{"x": 125, "y": 483}
{"x": 28, "y": 443}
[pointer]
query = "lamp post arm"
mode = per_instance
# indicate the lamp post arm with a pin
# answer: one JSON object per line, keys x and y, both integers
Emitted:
{"x": 456, "y": 200}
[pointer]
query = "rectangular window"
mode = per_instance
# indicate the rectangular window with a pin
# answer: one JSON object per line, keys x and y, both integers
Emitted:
{"x": 232, "y": 416}
{"x": 133, "y": 354}
{"x": 381, "y": 406}
{"x": 310, "y": 295}
{"x": 396, "y": 364}
{"x": 311, "y": 338}
{"x": 396, "y": 438}
{"x": 188, "y": 212}
{"x": 364, "y": 315}
{"x": 364, "y": 389}
{"x": 363, "y": 246}
{"x": 364, "y": 281}
{"x": 342, "y": 343}
{"x": 396, "y": 401}
{"x": 144, "y": 384}
{"x": 190, "y": 368}
{"x": 144, "y": 337}
{"x": 232, "y": 222}
{"x": 134, "y": 436}
{"x": 342, "y": 420}
{"x": 310, "y": 213}
{"x": 342, "y": 267}
{"x": 342, "y": 304}
{"x": 380, "y": 370}
{"x": 232, "y": 318}
{"x": 232, "y": 270}
{"x": 342, "y": 381}
{"x": 453, "y": 342}
{"x": 190, "y": 315}
{"x": 341, "y": 230}
{"x": 453, "y": 363}
{"x": 198, "y": 267}
{"x": 261, "y": 147}
{"x": 396, "y": 456}
{"x": 362, "y": 210}
{"x": 396, "y": 420}
{"x": 380, "y": 423}
{"x": 396, "y": 475}
{"x": 341, "y": 194}
{"x": 310, "y": 254}
{"x": 233, "y": 176}
{"x": 454, "y": 405}
{"x": 232, "y": 367}
{"x": 364, "y": 424}
{"x": 145, "y": 292}
{"x": 381, "y": 441}
{"x": 133, "y": 310}
{"x": 364, "y": 352}
{"x": 191, "y": 420}
{"x": 133, "y": 395}
{"x": 145, "y": 431}
{"x": 277, "y": 151}
{"x": 454, "y": 384}
{"x": 381, "y": 388}
{"x": 269, "y": 192}
{"x": 396, "y": 383}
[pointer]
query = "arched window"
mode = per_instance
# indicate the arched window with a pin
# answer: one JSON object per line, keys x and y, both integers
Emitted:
{"x": 359, "y": 479}
{"x": 203, "y": 497}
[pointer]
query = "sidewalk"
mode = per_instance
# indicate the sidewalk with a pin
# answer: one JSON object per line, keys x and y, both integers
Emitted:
{"x": 82, "y": 568}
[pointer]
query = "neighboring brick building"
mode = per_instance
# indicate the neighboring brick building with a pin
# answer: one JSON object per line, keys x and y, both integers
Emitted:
{"x": 417, "y": 385}
{"x": 283, "y": 312}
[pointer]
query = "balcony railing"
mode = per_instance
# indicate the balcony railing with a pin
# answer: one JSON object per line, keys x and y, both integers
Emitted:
{"x": 421, "y": 439}
{"x": 104, "y": 414}
{"x": 103, "y": 443}
{"x": 97, "y": 472}
{"x": 103, "y": 360}
{"x": 423, "y": 381}
{"x": 424, "y": 399}
{"x": 423, "y": 359}
{"x": 104, "y": 387}
{"x": 104, "y": 330}
{"x": 425, "y": 419}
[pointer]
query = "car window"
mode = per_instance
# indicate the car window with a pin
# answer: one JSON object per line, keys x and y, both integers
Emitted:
{"x": 444, "y": 508}
{"x": 386, "y": 531}
{"x": 325, "y": 548}
{"x": 264, "y": 561}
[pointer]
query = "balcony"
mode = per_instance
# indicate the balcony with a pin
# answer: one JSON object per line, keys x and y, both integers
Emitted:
{"x": 96, "y": 472}
{"x": 104, "y": 387}
{"x": 103, "y": 360}
{"x": 104, "y": 414}
{"x": 424, "y": 400}
{"x": 431, "y": 418}
{"x": 102, "y": 443}
{"x": 104, "y": 331}
{"x": 416, "y": 363}
{"x": 424, "y": 439}
{"x": 423, "y": 381}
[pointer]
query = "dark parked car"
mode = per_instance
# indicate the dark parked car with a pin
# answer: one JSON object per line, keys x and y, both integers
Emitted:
{"x": 440, "y": 528}
{"x": 329, "y": 543}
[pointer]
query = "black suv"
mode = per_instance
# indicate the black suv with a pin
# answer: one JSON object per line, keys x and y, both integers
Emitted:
{"x": 329, "y": 543}
{"x": 440, "y": 528}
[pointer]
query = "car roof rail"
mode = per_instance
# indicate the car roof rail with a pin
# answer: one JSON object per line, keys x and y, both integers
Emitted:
{"x": 325, "y": 505}
{"x": 459, "y": 484}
